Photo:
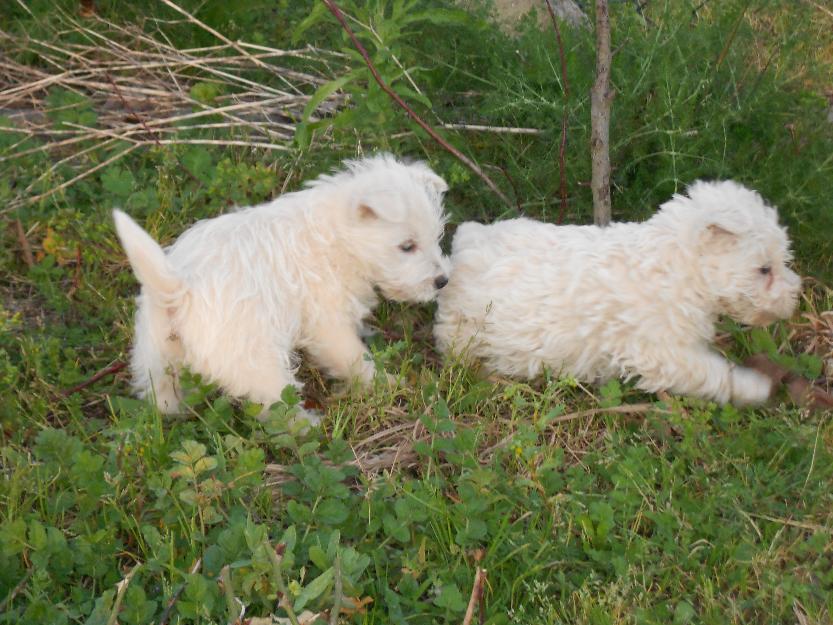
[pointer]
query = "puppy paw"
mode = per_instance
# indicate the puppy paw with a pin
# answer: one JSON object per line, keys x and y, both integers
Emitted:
{"x": 749, "y": 387}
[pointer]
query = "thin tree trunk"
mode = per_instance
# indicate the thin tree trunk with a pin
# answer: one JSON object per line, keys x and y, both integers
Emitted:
{"x": 600, "y": 99}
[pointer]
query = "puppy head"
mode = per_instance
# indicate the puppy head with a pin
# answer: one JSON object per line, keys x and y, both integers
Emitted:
{"x": 396, "y": 223}
{"x": 744, "y": 253}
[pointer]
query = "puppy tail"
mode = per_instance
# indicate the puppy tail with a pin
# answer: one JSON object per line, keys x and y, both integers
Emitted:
{"x": 148, "y": 260}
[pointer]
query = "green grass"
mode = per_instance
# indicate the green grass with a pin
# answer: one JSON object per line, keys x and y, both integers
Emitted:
{"x": 680, "y": 512}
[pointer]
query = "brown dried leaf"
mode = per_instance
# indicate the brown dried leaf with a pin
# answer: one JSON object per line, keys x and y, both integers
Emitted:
{"x": 358, "y": 605}
{"x": 771, "y": 369}
{"x": 806, "y": 394}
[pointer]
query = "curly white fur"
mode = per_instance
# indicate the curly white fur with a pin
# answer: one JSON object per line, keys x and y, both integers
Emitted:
{"x": 237, "y": 295}
{"x": 633, "y": 300}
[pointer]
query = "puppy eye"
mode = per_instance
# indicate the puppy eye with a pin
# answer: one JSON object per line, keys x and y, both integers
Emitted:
{"x": 408, "y": 247}
{"x": 765, "y": 270}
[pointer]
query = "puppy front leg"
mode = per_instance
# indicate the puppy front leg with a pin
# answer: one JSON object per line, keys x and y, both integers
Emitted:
{"x": 336, "y": 347}
{"x": 703, "y": 373}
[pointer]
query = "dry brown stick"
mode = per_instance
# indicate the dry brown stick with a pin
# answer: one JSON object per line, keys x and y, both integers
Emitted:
{"x": 562, "y": 168}
{"x": 110, "y": 370}
{"x": 16, "y": 590}
{"x": 226, "y": 142}
{"x": 338, "y": 591}
{"x": 476, "y": 593}
{"x": 181, "y": 57}
{"x": 383, "y": 434}
{"x": 233, "y": 614}
{"x": 163, "y": 620}
{"x": 813, "y": 527}
{"x": 71, "y": 181}
{"x": 121, "y": 588}
{"x": 336, "y": 11}
{"x": 404, "y": 455}
{"x": 731, "y": 38}
{"x": 228, "y": 41}
{"x": 56, "y": 164}
{"x": 509, "y": 130}
{"x": 153, "y": 136}
{"x": 600, "y": 100}
{"x": 129, "y": 108}
{"x": 25, "y": 248}
{"x": 581, "y": 414}
{"x": 127, "y": 136}
{"x": 285, "y": 600}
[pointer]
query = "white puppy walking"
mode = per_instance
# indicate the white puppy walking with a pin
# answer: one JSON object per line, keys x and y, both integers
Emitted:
{"x": 633, "y": 300}
{"x": 235, "y": 296}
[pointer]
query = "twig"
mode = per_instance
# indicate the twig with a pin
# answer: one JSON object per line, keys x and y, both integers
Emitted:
{"x": 821, "y": 8}
{"x": 509, "y": 130}
{"x": 71, "y": 181}
{"x": 248, "y": 144}
{"x": 336, "y": 11}
{"x": 138, "y": 84}
{"x": 169, "y": 608}
{"x": 110, "y": 370}
{"x": 600, "y": 100}
{"x": 121, "y": 588}
{"x": 476, "y": 594}
{"x": 562, "y": 167}
{"x": 338, "y": 591}
{"x": 814, "y": 527}
{"x": 722, "y": 56}
{"x": 276, "y": 556}
{"x": 403, "y": 455}
{"x": 582, "y": 414}
{"x": 227, "y": 41}
{"x": 7, "y": 602}
{"x": 235, "y": 615}
{"x": 25, "y": 248}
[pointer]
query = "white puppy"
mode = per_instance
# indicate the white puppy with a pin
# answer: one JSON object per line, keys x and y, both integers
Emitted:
{"x": 235, "y": 296}
{"x": 633, "y": 300}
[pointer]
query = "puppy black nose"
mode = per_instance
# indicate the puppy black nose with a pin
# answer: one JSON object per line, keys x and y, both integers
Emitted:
{"x": 440, "y": 281}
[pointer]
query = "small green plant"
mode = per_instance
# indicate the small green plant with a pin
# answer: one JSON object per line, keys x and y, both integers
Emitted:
{"x": 385, "y": 28}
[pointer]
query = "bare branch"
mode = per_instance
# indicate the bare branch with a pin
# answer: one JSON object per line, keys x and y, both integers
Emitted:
{"x": 338, "y": 591}
{"x": 169, "y": 608}
{"x": 114, "y": 368}
{"x": 562, "y": 166}
{"x": 336, "y": 11}
{"x": 601, "y": 97}
{"x": 121, "y": 588}
{"x": 476, "y": 594}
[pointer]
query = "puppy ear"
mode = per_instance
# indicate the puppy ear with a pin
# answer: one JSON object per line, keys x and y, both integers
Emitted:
{"x": 717, "y": 238}
{"x": 434, "y": 182}
{"x": 365, "y": 212}
{"x": 380, "y": 205}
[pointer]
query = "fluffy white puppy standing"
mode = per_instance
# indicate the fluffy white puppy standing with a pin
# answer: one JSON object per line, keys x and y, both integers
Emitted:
{"x": 235, "y": 296}
{"x": 633, "y": 300}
